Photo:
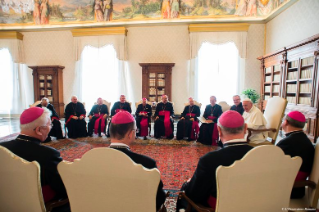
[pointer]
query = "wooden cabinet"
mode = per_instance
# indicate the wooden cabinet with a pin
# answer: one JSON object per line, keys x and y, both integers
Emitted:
{"x": 156, "y": 80}
{"x": 48, "y": 82}
{"x": 292, "y": 73}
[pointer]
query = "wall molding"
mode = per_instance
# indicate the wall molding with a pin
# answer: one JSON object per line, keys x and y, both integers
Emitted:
{"x": 11, "y": 35}
{"x": 235, "y": 27}
{"x": 99, "y": 31}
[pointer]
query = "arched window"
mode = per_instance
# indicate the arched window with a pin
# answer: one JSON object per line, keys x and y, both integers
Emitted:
{"x": 217, "y": 72}
{"x": 100, "y": 75}
{"x": 6, "y": 81}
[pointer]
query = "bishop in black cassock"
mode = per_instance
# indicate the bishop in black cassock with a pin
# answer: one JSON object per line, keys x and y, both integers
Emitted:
{"x": 188, "y": 126}
{"x": 202, "y": 188}
{"x": 75, "y": 119}
{"x": 98, "y": 118}
{"x": 164, "y": 123}
{"x": 121, "y": 105}
{"x": 28, "y": 146}
{"x": 143, "y": 118}
{"x": 296, "y": 143}
{"x": 56, "y": 130}
{"x": 208, "y": 131}
{"x": 238, "y": 106}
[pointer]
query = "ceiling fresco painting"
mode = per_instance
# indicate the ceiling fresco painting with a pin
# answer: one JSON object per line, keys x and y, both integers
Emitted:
{"x": 68, "y": 12}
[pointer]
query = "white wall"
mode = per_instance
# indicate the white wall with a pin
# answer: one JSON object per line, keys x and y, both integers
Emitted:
{"x": 163, "y": 44}
{"x": 298, "y": 22}
{"x": 255, "y": 48}
{"x": 158, "y": 44}
{"x": 52, "y": 48}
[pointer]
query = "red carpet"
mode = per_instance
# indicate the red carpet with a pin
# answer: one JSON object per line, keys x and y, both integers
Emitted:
{"x": 176, "y": 160}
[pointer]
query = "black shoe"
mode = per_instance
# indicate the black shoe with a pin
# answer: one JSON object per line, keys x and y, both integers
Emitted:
{"x": 145, "y": 138}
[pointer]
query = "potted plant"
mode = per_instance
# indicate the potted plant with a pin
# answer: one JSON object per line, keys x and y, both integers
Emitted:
{"x": 251, "y": 94}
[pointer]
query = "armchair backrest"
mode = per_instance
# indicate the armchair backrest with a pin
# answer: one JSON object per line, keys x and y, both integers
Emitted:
{"x": 262, "y": 179}
{"x": 20, "y": 184}
{"x": 224, "y": 106}
{"x": 35, "y": 104}
{"x": 108, "y": 104}
{"x": 274, "y": 112}
{"x": 195, "y": 102}
{"x": 106, "y": 179}
{"x": 313, "y": 194}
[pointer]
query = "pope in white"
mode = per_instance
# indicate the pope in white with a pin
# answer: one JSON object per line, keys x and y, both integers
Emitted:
{"x": 254, "y": 119}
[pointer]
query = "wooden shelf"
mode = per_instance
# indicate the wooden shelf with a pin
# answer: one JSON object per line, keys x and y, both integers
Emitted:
{"x": 51, "y": 77}
{"x": 155, "y": 70}
{"x": 309, "y": 79}
{"x": 297, "y": 67}
{"x": 267, "y": 74}
{"x": 307, "y": 66}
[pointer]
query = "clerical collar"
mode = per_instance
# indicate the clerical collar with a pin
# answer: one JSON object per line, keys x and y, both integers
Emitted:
{"x": 119, "y": 146}
{"x": 294, "y": 132}
{"x": 23, "y": 137}
{"x": 235, "y": 142}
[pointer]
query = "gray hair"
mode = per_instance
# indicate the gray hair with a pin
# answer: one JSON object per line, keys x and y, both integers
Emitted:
{"x": 231, "y": 131}
{"x": 236, "y": 95}
{"x": 294, "y": 122}
{"x": 213, "y": 97}
{"x": 46, "y": 99}
{"x": 74, "y": 96}
{"x": 41, "y": 121}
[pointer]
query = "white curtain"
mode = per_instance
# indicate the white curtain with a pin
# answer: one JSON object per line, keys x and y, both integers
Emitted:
{"x": 16, "y": 84}
{"x": 217, "y": 72}
{"x": 100, "y": 73}
{"x": 209, "y": 56}
{"x": 15, "y": 47}
{"x": 101, "y": 69}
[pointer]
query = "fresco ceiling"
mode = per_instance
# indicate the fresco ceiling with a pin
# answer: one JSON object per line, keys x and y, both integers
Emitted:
{"x": 33, "y": 14}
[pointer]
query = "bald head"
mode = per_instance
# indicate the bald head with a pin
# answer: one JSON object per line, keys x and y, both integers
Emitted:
{"x": 74, "y": 99}
{"x": 191, "y": 101}
{"x": 164, "y": 98}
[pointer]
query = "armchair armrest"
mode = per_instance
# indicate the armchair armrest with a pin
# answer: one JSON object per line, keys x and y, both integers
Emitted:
{"x": 250, "y": 130}
{"x": 55, "y": 203}
{"x": 303, "y": 183}
{"x": 191, "y": 204}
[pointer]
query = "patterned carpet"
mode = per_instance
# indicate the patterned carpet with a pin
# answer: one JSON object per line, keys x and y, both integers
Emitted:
{"x": 176, "y": 160}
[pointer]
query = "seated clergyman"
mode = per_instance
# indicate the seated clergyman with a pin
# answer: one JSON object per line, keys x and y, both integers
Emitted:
{"x": 208, "y": 134}
{"x": 119, "y": 106}
{"x": 188, "y": 126}
{"x": 143, "y": 118}
{"x": 202, "y": 188}
{"x": 56, "y": 130}
{"x": 35, "y": 125}
{"x": 296, "y": 143}
{"x": 254, "y": 119}
{"x": 238, "y": 106}
{"x": 97, "y": 117}
{"x": 75, "y": 119}
{"x": 164, "y": 123}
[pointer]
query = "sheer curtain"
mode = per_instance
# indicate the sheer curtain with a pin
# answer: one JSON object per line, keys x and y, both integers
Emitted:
{"x": 99, "y": 74}
{"x": 6, "y": 81}
{"x": 216, "y": 72}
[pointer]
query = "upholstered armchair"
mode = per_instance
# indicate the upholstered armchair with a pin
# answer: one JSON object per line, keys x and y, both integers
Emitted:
{"x": 224, "y": 106}
{"x": 248, "y": 186}
{"x": 273, "y": 114}
{"x": 20, "y": 185}
{"x": 120, "y": 185}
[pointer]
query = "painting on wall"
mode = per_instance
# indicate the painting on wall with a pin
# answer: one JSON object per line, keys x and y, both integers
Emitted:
{"x": 50, "y": 12}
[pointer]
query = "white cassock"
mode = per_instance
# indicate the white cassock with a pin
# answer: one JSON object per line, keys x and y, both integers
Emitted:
{"x": 256, "y": 120}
